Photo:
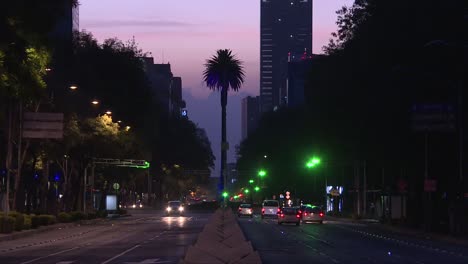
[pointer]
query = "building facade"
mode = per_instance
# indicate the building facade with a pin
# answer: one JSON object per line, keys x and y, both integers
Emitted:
{"x": 298, "y": 69}
{"x": 285, "y": 32}
{"x": 250, "y": 115}
{"x": 166, "y": 87}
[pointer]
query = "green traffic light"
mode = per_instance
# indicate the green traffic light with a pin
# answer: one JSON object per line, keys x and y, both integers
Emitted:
{"x": 257, "y": 188}
{"x": 313, "y": 162}
{"x": 246, "y": 191}
{"x": 235, "y": 196}
{"x": 262, "y": 173}
{"x": 225, "y": 194}
{"x": 251, "y": 181}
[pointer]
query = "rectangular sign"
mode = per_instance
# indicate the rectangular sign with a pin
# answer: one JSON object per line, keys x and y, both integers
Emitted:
{"x": 430, "y": 185}
{"x": 433, "y": 117}
{"x": 43, "y": 125}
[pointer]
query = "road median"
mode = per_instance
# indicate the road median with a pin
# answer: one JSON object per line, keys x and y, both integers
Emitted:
{"x": 222, "y": 241}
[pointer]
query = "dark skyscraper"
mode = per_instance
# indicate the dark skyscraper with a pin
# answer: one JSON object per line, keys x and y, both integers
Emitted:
{"x": 250, "y": 115}
{"x": 285, "y": 32}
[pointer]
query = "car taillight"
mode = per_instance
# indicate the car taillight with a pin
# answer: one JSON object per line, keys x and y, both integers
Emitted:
{"x": 240, "y": 209}
{"x": 263, "y": 210}
{"x": 298, "y": 216}
{"x": 300, "y": 212}
{"x": 282, "y": 215}
{"x": 321, "y": 214}
{"x": 279, "y": 210}
{"x": 305, "y": 213}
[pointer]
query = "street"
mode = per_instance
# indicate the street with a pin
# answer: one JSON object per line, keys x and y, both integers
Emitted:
{"x": 145, "y": 237}
{"x": 338, "y": 241}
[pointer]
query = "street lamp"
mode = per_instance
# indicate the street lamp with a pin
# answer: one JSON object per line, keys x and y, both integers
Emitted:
{"x": 108, "y": 112}
{"x": 95, "y": 102}
{"x": 257, "y": 188}
{"x": 314, "y": 161}
{"x": 73, "y": 87}
{"x": 251, "y": 181}
{"x": 262, "y": 173}
{"x": 127, "y": 128}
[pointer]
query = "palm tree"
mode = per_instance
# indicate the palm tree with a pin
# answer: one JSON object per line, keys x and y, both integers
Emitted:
{"x": 222, "y": 73}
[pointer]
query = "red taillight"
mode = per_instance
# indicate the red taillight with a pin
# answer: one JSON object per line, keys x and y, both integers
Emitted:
{"x": 282, "y": 215}
{"x": 298, "y": 216}
{"x": 240, "y": 209}
{"x": 300, "y": 212}
{"x": 279, "y": 210}
{"x": 263, "y": 210}
{"x": 321, "y": 214}
{"x": 305, "y": 213}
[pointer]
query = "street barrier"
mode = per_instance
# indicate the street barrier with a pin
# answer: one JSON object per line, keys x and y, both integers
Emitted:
{"x": 221, "y": 241}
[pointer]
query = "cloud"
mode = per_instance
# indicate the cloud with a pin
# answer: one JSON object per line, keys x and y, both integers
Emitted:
{"x": 134, "y": 23}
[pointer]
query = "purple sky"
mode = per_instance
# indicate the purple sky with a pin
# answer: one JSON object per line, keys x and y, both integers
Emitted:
{"x": 186, "y": 33}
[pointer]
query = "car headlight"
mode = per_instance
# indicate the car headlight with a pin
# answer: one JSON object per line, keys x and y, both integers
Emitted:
{"x": 134, "y": 205}
{"x": 168, "y": 209}
{"x": 181, "y": 208}
{"x": 141, "y": 206}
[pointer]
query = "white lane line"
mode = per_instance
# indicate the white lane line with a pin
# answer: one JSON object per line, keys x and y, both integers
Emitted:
{"x": 50, "y": 255}
{"x": 121, "y": 254}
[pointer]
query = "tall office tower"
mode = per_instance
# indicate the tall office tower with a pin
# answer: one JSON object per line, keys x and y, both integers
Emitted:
{"x": 285, "y": 33}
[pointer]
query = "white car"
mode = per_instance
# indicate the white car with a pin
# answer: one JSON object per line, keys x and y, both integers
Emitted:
{"x": 175, "y": 207}
{"x": 270, "y": 208}
{"x": 245, "y": 209}
{"x": 312, "y": 214}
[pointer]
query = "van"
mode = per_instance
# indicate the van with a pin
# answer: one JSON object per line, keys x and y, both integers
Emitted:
{"x": 270, "y": 208}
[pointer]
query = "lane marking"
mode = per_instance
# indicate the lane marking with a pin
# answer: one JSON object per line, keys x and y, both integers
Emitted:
{"x": 50, "y": 255}
{"x": 121, "y": 254}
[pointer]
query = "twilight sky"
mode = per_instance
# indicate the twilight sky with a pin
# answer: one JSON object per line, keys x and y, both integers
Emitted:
{"x": 186, "y": 33}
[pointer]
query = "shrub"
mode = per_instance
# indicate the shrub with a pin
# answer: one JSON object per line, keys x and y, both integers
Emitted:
{"x": 7, "y": 224}
{"x": 47, "y": 220}
{"x": 92, "y": 215}
{"x": 27, "y": 222}
{"x": 35, "y": 221}
{"x": 77, "y": 215}
{"x": 64, "y": 217}
{"x": 101, "y": 214}
{"x": 19, "y": 220}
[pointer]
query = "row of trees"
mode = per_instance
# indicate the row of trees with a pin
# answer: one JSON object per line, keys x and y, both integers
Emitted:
{"x": 113, "y": 74}
{"x": 385, "y": 57}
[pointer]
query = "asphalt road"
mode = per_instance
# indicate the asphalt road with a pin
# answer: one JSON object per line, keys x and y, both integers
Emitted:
{"x": 146, "y": 237}
{"x": 344, "y": 242}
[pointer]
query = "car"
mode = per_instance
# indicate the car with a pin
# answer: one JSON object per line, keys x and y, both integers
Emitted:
{"x": 289, "y": 215}
{"x": 245, "y": 209}
{"x": 175, "y": 207}
{"x": 312, "y": 214}
{"x": 270, "y": 208}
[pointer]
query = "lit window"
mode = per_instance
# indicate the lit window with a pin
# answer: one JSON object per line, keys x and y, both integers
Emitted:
{"x": 292, "y": 3}
{"x": 290, "y": 36}
{"x": 279, "y": 19}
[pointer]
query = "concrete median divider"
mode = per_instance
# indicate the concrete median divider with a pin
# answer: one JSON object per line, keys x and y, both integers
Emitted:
{"x": 221, "y": 241}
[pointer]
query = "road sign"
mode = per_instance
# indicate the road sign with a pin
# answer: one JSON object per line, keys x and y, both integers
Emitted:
{"x": 42, "y": 125}
{"x": 334, "y": 192}
{"x": 430, "y": 185}
{"x": 433, "y": 117}
{"x": 116, "y": 186}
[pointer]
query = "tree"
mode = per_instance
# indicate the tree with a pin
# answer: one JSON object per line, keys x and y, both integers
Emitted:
{"x": 223, "y": 72}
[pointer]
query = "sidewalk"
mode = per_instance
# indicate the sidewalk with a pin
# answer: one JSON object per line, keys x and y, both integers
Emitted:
{"x": 403, "y": 230}
{"x": 41, "y": 229}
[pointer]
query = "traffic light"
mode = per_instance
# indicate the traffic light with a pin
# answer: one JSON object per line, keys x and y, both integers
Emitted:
{"x": 246, "y": 191}
{"x": 257, "y": 188}
{"x": 225, "y": 194}
{"x": 314, "y": 161}
{"x": 262, "y": 173}
{"x": 251, "y": 181}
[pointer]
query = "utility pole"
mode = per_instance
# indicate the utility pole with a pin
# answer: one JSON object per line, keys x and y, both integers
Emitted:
{"x": 364, "y": 201}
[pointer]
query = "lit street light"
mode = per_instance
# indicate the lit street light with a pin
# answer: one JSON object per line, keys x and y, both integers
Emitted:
{"x": 120, "y": 121}
{"x": 108, "y": 112}
{"x": 257, "y": 188}
{"x": 127, "y": 128}
{"x": 73, "y": 87}
{"x": 95, "y": 102}
{"x": 313, "y": 162}
{"x": 251, "y": 181}
{"x": 262, "y": 173}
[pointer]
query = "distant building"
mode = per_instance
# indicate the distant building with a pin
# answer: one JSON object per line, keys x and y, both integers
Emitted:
{"x": 166, "y": 87}
{"x": 298, "y": 69}
{"x": 250, "y": 115}
{"x": 285, "y": 31}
